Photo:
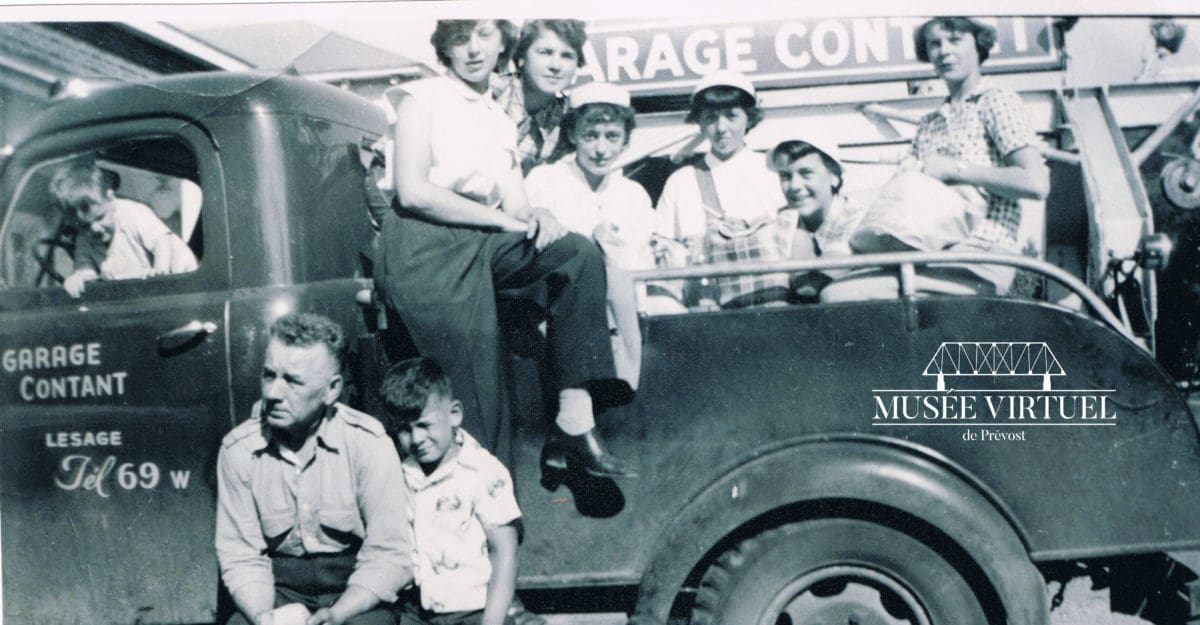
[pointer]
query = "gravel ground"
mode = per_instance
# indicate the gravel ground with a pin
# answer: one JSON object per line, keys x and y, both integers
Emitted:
{"x": 1084, "y": 606}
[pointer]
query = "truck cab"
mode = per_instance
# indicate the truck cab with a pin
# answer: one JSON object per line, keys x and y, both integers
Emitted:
{"x": 114, "y": 404}
{"x": 923, "y": 459}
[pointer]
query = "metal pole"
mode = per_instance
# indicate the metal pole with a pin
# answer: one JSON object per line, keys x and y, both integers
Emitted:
{"x": 1164, "y": 130}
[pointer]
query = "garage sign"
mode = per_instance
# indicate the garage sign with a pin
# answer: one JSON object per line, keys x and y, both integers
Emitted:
{"x": 669, "y": 57}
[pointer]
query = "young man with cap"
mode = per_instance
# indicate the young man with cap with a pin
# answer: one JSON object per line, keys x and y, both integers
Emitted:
{"x": 588, "y": 195}
{"x": 730, "y": 181}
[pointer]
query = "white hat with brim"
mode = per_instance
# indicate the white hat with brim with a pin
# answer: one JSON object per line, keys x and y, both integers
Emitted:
{"x": 598, "y": 93}
{"x": 721, "y": 78}
{"x": 821, "y": 140}
{"x": 725, "y": 78}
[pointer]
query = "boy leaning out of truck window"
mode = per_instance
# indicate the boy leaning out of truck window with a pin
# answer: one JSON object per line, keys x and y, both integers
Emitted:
{"x": 119, "y": 239}
{"x": 461, "y": 501}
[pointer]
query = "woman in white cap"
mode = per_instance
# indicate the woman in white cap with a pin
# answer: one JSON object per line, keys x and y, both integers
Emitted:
{"x": 730, "y": 181}
{"x": 979, "y": 138}
{"x": 463, "y": 232}
{"x": 588, "y": 195}
{"x": 547, "y": 55}
{"x": 811, "y": 178}
{"x": 817, "y": 220}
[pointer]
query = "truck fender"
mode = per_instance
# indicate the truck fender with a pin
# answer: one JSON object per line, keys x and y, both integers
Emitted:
{"x": 866, "y": 469}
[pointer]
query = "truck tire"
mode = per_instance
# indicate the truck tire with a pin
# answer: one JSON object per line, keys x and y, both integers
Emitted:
{"x": 827, "y": 571}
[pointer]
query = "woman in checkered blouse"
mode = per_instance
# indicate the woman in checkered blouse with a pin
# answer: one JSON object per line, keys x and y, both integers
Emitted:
{"x": 547, "y": 55}
{"x": 979, "y": 136}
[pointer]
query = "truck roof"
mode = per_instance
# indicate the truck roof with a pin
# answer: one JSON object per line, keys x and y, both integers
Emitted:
{"x": 205, "y": 94}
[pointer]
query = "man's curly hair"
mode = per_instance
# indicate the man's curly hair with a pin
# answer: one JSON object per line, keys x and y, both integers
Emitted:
{"x": 304, "y": 329}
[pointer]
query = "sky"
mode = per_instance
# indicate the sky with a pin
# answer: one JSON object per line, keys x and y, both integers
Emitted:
{"x": 404, "y": 27}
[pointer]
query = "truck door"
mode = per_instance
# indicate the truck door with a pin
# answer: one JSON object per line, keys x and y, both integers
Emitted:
{"x": 112, "y": 404}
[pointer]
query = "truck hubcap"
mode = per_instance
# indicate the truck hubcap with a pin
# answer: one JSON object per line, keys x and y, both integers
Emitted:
{"x": 845, "y": 595}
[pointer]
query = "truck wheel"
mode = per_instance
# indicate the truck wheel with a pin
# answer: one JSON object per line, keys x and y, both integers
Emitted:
{"x": 834, "y": 571}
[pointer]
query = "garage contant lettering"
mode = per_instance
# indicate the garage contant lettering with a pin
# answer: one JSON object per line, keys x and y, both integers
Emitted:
{"x": 34, "y": 369}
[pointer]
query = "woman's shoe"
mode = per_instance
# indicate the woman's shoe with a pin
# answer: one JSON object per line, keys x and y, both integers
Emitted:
{"x": 584, "y": 452}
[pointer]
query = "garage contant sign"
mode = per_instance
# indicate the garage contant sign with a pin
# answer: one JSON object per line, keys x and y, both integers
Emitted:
{"x": 669, "y": 57}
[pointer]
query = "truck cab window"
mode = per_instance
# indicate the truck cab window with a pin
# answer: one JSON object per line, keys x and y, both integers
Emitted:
{"x": 126, "y": 211}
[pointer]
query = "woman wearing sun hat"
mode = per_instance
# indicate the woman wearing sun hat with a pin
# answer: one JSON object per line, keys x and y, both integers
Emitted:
{"x": 588, "y": 195}
{"x": 726, "y": 189}
{"x": 811, "y": 176}
{"x": 730, "y": 180}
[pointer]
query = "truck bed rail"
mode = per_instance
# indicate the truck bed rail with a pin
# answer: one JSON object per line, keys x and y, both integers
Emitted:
{"x": 906, "y": 264}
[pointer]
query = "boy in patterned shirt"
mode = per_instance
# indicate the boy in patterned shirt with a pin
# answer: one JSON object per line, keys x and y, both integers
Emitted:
{"x": 462, "y": 506}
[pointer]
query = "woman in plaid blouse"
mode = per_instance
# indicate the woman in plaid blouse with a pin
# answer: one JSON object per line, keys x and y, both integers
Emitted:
{"x": 979, "y": 136}
{"x": 547, "y": 55}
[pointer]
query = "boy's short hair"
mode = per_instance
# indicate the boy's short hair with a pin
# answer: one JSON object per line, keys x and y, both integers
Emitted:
{"x": 572, "y": 32}
{"x": 79, "y": 184}
{"x": 722, "y": 97}
{"x": 407, "y": 387}
{"x": 449, "y": 33}
{"x": 598, "y": 113}
{"x": 305, "y": 329}
{"x": 789, "y": 152}
{"x": 984, "y": 34}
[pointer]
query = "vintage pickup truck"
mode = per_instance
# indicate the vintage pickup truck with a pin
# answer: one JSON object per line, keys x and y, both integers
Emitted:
{"x": 928, "y": 459}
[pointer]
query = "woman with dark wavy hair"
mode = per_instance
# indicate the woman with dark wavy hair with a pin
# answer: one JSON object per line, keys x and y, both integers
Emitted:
{"x": 547, "y": 55}
{"x": 464, "y": 233}
{"x": 980, "y": 136}
{"x": 979, "y": 143}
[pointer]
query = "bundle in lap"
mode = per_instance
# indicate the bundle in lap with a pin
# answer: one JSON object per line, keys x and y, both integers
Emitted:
{"x": 915, "y": 211}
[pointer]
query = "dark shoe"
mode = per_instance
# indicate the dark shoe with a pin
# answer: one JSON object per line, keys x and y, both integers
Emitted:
{"x": 585, "y": 453}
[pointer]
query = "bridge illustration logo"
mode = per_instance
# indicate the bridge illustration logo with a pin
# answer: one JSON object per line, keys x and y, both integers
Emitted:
{"x": 1039, "y": 403}
{"x": 960, "y": 358}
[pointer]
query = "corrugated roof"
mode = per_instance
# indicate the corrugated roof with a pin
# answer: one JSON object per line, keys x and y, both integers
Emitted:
{"x": 307, "y": 47}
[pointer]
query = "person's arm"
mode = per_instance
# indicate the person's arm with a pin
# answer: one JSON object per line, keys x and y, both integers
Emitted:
{"x": 1022, "y": 176}
{"x": 171, "y": 255}
{"x": 168, "y": 253}
{"x": 666, "y": 223}
{"x": 497, "y": 511}
{"x": 75, "y": 283}
{"x": 354, "y": 601}
{"x": 384, "y": 562}
{"x": 502, "y": 551}
{"x": 87, "y": 266}
{"x": 240, "y": 544}
{"x": 541, "y": 225}
{"x": 671, "y": 249}
{"x": 429, "y": 201}
{"x": 1022, "y": 173}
